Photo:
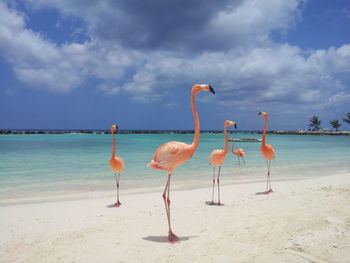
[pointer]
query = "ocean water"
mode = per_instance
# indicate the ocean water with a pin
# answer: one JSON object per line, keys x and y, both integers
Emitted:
{"x": 42, "y": 165}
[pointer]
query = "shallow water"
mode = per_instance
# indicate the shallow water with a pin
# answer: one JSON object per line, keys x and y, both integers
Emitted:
{"x": 32, "y": 165}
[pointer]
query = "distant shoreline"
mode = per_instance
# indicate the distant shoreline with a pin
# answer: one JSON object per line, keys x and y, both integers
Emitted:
{"x": 88, "y": 131}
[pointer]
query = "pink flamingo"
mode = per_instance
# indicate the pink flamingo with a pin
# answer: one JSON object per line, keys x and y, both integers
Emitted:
{"x": 172, "y": 154}
{"x": 268, "y": 153}
{"x": 116, "y": 164}
{"x": 217, "y": 158}
{"x": 239, "y": 153}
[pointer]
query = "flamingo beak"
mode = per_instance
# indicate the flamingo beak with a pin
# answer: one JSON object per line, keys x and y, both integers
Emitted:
{"x": 235, "y": 125}
{"x": 211, "y": 89}
{"x": 259, "y": 113}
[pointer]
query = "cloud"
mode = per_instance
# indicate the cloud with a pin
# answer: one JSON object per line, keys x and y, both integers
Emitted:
{"x": 181, "y": 25}
{"x": 109, "y": 90}
{"x": 278, "y": 75}
{"x": 39, "y": 63}
{"x": 146, "y": 49}
{"x": 142, "y": 24}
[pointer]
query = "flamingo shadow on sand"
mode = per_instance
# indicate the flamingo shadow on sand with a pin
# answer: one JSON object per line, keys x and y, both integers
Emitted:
{"x": 113, "y": 205}
{"x": 164, "y": 239}
{"x": 211, "y": 203}
{"x": 264, "y": 193}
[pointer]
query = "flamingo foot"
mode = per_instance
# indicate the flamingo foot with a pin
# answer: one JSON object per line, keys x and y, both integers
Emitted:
{"x": 173, "y": 238}
{"x": 270, "y": 191}
{"x": 220, "y": 204}
{"x": 117, "y": 204}
{"x": 212, "y": 203}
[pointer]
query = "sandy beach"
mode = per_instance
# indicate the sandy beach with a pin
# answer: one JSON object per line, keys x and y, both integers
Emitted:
{"x": 303, "y": 221}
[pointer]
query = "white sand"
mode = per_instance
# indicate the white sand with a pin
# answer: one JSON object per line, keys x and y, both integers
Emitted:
{"x": 303, "y": 221}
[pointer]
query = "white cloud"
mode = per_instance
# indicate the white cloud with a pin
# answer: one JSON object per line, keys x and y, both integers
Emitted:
{"x": 231, "y": 49}
{"x": 108, "y": 89}
{"x": 42, "y": 64}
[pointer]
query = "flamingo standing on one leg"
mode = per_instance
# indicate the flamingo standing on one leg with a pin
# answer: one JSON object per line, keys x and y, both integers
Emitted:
{"x": 217, "y": 158}
{"x": 239, "y": 153}
{"x": 116, "y": 164}
{"x": 171, "y": 154}
{"x": 268, "y": 152}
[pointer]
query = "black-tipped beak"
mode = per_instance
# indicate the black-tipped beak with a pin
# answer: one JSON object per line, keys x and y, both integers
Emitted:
{"x": 211, "y": 89}
{"x": 235, "y": 125}
{"x": 259, "y": 113}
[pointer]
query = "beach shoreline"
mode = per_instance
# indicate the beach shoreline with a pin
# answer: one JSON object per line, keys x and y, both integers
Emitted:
{"x": 303, "y": 220}
{"x": 232, "y": 174}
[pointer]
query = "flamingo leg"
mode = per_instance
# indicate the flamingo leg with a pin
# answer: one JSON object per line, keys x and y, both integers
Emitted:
{"x": 218, "y": 180}
{"x": 239, "y": 162}
{"x": 117, "y": 204}
{"x": 268, "y": 180}
{"x": 243, "y": 160}
{"x": 166, "y": 197}
{"x": 268, "y": 176}
{"x": 165, "y": 200}
{"x": 212, "y": 196}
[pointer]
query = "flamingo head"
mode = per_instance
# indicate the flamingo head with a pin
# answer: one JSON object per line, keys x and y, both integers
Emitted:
{"x": 114, "y": 127}
{"x": 230, "y": 123}
{"x": 202, "y": 87}
{"x": 264, "y": 114}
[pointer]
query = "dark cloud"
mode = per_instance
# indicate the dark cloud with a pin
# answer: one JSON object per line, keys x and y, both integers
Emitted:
{"x": 189, "y": 26}
{"x": 158, "y": 24}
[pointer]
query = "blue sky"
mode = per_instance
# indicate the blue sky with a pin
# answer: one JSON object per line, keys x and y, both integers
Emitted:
{"x": 89, "y": 64}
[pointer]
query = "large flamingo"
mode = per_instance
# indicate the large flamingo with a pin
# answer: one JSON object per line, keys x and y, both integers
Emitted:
{"x": 116, "y": 164}
{"x": 268, "y": 153}
{"x": 239, "y": 153}
{"x": 171, "y": 154}
{"x": 217, "y": 158}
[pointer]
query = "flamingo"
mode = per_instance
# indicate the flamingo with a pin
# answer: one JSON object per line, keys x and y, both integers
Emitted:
{"x": 116, "y": 164}
{"x": 268, "y": 152}
{"x": 217, "y": 158}
{"x": 239, "y": 153}
{"x": 172, "y": 154}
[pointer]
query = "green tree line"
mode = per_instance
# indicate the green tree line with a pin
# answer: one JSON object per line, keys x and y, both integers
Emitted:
{"x": 315, "y": 122}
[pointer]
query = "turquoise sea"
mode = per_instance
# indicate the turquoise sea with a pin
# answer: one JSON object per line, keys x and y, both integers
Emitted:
{"x": 44, "y": 165}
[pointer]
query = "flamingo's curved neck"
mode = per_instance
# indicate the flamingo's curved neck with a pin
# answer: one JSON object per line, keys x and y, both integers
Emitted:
{"x": 226, "y": 140}
{"x": 113, "y": 145}
{"x": 196, "y": 137}
{"x": 264, "y": 132}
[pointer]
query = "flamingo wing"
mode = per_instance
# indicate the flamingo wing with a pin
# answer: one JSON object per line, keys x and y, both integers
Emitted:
{"x": 171, "y": 154}
{"x": 216, "y": 157}
{"x": 268, "y": 151}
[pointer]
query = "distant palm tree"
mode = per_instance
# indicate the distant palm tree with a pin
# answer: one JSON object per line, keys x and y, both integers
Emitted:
{"x": 335, "y": 124}
{"x": 347, "y": 119}
{"x": 315, "y": 122}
